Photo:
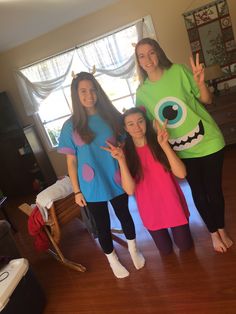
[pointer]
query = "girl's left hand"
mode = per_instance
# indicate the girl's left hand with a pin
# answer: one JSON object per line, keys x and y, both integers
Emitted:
{"x": 162, "y": 134}
{"x": 115, "y": 151}
{"x": 198, "y": 70}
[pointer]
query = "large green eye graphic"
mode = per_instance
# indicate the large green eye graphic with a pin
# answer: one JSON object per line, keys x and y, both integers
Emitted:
{"x": 172, "y": 109}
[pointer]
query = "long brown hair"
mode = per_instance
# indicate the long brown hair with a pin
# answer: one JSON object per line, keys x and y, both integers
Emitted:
{"x": 163, "y": 60}
{"x": 103, "y": 105}
{"x": 132, "y": 157}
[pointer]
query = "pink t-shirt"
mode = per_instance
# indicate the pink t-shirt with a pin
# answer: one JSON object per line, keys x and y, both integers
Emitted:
{"x": 160, "y": 201}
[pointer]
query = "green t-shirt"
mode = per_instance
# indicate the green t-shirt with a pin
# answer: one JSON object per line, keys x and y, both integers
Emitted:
{"x": 192, "y": 131}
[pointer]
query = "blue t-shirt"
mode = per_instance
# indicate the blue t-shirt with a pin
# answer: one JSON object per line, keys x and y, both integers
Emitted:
{"x": 98, "y": 172}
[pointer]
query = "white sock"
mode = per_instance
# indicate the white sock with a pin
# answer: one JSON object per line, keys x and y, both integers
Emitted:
{"x": 136, "y": 255}
{"x": 119, "y": 270}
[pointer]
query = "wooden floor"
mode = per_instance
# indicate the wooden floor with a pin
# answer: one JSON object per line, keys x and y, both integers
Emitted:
{"x": 198, "y": 281}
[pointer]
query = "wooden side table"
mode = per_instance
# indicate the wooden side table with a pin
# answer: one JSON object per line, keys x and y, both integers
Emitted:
{"x": 3, "y": 202}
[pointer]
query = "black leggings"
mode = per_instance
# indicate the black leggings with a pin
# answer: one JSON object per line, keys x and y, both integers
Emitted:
{"x": 100, "y": 212}
{"x": 181, "y": 235}
{"x": 204, "y": 176}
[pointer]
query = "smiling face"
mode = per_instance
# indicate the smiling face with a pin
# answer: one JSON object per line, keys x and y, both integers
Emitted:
{"x": 87, "y": 95}
{"x": 147, "y": 58}
{"x": 135, "y": 125}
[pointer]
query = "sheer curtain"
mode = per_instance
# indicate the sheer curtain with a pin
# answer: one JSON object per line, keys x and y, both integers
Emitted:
{"x": 36, "y": 82}
{"x": 117, "y": 59}
{"x": 45, "y": 77}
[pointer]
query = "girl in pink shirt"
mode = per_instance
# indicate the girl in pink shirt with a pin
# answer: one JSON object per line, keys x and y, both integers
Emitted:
{"x": 148, "y": 170}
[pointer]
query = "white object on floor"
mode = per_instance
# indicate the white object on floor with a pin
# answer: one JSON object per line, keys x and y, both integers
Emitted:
{"x": 10, "y": 276}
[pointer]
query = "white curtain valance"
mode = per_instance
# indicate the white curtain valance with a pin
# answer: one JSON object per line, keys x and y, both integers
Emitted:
{"x": 33, "y": 93}
{"x": 113, "y": 62}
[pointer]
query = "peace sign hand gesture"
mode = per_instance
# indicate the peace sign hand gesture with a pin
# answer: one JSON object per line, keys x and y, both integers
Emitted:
{"x": 116, "y": 151}
{"x": 198, "y": 70}
{"x": 162, "y": 134}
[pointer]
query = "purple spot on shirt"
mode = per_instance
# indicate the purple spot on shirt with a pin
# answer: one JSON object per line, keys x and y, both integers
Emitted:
{"x": 77, "y": 139}
{"x": 87, "y": 173}
{"x": 117, "y": 177}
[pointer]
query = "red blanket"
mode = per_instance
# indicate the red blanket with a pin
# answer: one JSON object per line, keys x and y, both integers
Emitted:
{"x": 35, "y": 224}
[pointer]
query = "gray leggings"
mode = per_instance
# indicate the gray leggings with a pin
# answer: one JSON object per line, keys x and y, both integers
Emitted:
{"x": 181, "y": 235}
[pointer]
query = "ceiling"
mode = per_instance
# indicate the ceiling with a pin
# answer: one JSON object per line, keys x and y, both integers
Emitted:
{"x": 23, "y": 20}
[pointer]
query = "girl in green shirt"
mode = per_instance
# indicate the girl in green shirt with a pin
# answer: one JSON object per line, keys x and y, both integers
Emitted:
{"x": 171, "y": 91}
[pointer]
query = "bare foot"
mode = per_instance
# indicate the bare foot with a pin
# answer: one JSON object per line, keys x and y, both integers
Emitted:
{"x": 225, "y": 238}
{"x": 218, "y": 244}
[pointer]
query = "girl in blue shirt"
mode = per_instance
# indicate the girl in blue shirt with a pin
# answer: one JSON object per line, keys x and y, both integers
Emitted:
{"x": 93, "y": 172}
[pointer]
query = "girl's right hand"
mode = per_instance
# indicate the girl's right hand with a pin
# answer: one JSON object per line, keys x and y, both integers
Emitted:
{"x": 162, "y": 134}
{"x": 80, "y": 200}
{"x": 115, "y": 151}
{"x": 198, "y": 70}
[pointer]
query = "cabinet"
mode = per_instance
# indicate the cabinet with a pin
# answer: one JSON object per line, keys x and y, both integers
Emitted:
{"x": 223, "y": 110}
{"x": 14, "y": 177}
{"x": 41, "y": 163}
{"x": 24, "y": 165}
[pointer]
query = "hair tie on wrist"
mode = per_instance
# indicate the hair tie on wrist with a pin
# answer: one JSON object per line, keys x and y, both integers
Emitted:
{"x": 78, "y": 193}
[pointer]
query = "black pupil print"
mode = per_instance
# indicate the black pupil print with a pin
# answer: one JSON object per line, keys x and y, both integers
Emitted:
{"x": 170, "y": 113}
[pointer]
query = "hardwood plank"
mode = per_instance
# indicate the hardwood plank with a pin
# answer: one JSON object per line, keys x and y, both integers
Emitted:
{"x": 197, "y": 281}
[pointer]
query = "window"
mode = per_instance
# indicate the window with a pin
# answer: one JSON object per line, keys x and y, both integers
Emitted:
{"x": 108, "y": 54}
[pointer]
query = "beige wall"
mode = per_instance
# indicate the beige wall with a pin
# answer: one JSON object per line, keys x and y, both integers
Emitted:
{"x": 168, "y": 23}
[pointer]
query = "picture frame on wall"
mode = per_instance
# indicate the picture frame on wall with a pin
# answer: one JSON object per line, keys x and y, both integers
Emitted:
{"x": 211, "y": 35}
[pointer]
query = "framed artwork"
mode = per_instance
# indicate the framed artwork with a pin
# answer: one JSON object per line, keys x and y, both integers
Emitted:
{"x": 211, "y": 35}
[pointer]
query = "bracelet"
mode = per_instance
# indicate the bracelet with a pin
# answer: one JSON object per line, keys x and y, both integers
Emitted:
{"x": 79, "y": 192}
